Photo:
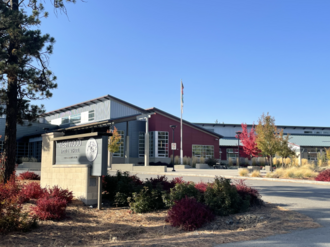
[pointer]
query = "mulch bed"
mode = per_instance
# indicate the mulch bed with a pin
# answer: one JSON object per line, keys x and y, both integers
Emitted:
{"x": 86, "y": 226}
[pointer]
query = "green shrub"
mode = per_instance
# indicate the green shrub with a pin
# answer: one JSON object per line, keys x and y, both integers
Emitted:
{"x": 181, "y": 191}
{"x": 193, "y": 162}
{"x": 13, "y": 219}
{"x": 223, "y": 198}
{"x": 211, "y": 162}
{"x": 119, "y": 187}
{"x": 147, "y": 200}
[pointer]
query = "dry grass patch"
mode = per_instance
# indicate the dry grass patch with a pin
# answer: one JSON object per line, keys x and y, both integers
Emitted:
{"x": 302, "y": 172}
{"x": 243, "y": 172}
{"x": 118, "y": 227}
{"x": 255, "y": 174}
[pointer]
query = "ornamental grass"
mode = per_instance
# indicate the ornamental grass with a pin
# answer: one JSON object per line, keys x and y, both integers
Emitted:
{"x": 243, "y": 172}
{"x": 255, "y": 174}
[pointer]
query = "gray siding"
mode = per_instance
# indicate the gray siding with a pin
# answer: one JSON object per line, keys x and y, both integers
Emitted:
{"x": 134, "y": 128}
{"x": 230, "y": 131}
{"x": 101, "y": 110}
{"x": 119, "y": 110}
{"x": 25, "y": 130}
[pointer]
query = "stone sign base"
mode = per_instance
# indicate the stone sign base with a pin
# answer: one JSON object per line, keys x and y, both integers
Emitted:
{"x": 75, "y": 178}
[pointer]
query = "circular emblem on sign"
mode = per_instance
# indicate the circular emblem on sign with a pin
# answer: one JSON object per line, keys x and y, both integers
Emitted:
{"x": 91, "y": 149}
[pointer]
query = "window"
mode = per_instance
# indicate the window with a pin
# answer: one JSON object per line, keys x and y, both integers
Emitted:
{"x": 162, "y": 144}
{"x": 141, "y": 144}
{"x": 313, "y": 153}
{"x": 75, "y": 119}
{"x": 91, "y": 116}
{"x": 22, "y": 149}
{"x": 205, "y": 151}
{"x": 232, "y": 150}
{"x": 318, "y": 132}
{"x": 308, "y": 132}
{"x": 34, "y": 150}
{"x": 232, "y": 155}
{"x": 65, "y": 120}
{"x": 120, "y": 153}
{"x": 326, "y": 132}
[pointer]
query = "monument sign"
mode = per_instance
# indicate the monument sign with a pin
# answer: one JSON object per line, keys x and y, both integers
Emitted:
{"x": 87, "y": 151}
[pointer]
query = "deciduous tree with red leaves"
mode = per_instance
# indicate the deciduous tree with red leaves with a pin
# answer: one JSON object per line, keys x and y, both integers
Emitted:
{"x": 248, "y": 140}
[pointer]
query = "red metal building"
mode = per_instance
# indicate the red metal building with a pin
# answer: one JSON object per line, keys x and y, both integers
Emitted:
{"x": 197, "y": 141}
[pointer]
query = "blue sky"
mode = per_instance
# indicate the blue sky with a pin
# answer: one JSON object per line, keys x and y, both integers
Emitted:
{"x": 237, "y": 58}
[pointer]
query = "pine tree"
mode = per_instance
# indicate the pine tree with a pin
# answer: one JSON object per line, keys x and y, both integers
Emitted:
{"x": 24, "y": 74}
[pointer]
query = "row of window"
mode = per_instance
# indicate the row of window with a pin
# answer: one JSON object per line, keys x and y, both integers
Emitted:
{"x": 159, "y": 146}
{"x": 76, "y": 119}
{"x": 26, "y": 149}
{"x": 316, "y": 132}
{"x": 162, "y": 144}
{"x": 205, "y": 151}
{"x": 141, "y": 144}
{"x": 120, "y": 153}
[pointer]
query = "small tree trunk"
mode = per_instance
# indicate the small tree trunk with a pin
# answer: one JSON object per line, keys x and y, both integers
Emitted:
{"x": 270, "y": 163}
{"x": 10, "y": 130}
{"x": 110, "y": 160}
{"x": 11, "y": 105}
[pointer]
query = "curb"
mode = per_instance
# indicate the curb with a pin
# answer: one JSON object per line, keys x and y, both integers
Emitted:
{"x": 233, "y": 177}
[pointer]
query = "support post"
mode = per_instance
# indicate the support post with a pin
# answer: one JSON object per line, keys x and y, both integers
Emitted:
{"x": 127, "y": 145}
{"x": 109, "y": 154}
{"x": 99, "y": 193}
{"x": 146, "y": 144}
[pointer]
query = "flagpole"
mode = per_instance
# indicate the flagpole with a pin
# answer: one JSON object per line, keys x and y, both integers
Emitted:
{"x": 181, "y": 152}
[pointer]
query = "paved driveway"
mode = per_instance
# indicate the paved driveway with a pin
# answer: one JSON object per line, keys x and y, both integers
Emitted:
{"x": 309, "y": 199}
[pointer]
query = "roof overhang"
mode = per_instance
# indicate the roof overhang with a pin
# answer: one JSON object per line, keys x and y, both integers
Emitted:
{"x": 90, "y": 102}
{"x": 156, "y": 110}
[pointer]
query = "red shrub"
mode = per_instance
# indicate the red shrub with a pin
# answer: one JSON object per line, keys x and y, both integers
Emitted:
{"x": 50, "y": 208}
{"x": 28, "y": 176}
{"x": 31, "y": 191}
{"x": 201, "y": 186}
{"x": 246, "y": 192}
{"x": 323, "y": 176}
{"x": 60, "y": 193}
{"x": 178, "y": 180}
{"x": 189, "y": 214}
{"x": 11, "y": 216}
{"x": 136, "y": 180}
{"x": 9, "y": 190}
